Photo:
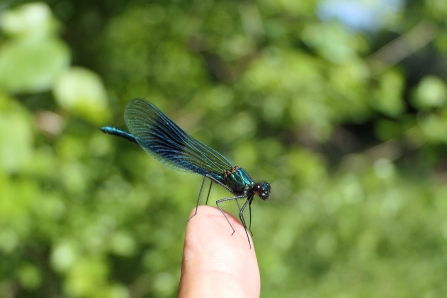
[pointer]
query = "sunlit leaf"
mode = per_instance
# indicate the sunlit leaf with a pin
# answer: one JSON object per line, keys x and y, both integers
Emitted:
{"x": 430, "y": 93}
{"x": 32, "y": 65}
{"x": 81, "y": 91}
{"x": 30, "y": 21}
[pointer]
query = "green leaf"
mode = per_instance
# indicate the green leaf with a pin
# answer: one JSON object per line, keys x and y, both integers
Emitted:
{"x": 430, "y": 93}
{"x": 81, "y": 91}
{"x": 33, "y": 20}
{"x": 16, "y": 136}
{"x": 32, "y": 66}
{"x": 389, "y": 96}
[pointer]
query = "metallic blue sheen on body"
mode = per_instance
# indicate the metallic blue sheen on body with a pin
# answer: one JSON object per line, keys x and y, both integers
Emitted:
{"x": 238, "y": 181}
{"x": 166, "y": 142}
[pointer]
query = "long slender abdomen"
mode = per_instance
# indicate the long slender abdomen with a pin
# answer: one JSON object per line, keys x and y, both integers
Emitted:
{"x": 120, "y": 133}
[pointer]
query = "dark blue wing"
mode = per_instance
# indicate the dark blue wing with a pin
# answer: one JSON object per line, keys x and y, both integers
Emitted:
{"x": 169, "y": 144}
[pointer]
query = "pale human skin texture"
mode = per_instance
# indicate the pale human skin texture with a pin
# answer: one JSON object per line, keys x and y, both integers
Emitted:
{"x": 216, "y": 263}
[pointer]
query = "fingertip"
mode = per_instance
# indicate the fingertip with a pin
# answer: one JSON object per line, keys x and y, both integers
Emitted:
{"x": 214, "y": 258}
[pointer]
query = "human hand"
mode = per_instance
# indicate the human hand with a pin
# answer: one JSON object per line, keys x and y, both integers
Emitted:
{"x": 216, "y": 263}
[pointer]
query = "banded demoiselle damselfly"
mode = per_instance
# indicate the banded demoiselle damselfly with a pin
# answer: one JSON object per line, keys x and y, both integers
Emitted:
{"x": 165, "y": 141}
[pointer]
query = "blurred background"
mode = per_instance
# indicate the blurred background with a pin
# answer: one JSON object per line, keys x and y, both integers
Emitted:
{"x": 341, "y": 104}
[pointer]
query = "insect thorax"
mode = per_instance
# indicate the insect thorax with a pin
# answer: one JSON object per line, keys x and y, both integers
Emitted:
{"x": 237, "y": 179}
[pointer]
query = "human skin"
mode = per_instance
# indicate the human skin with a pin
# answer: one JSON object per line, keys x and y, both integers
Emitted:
{"x": 215, "y": 262}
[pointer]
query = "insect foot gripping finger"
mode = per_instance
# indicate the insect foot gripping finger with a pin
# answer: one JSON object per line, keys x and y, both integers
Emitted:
{"x": 223, "y": 213}
{"x": 191, "y": 216}
{"x": 231, "y": 226}
{"x": 195, "y": 213}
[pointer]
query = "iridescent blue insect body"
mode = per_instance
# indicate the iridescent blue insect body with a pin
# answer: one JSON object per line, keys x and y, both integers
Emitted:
{"x": 165, "y": 141}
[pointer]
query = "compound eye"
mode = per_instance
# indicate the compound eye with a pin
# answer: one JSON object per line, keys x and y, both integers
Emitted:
{"x": 257, "y": 189}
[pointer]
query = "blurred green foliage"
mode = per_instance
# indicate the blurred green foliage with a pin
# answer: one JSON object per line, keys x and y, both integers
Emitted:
{"x": 351, "y": 127}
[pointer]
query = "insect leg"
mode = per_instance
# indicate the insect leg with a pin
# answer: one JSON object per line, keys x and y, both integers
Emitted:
{"x": 241, "y": 217}
{"x": 218, "y": 202}
{"x": 209, "y": 191}
{"x": 200, "y": 194}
